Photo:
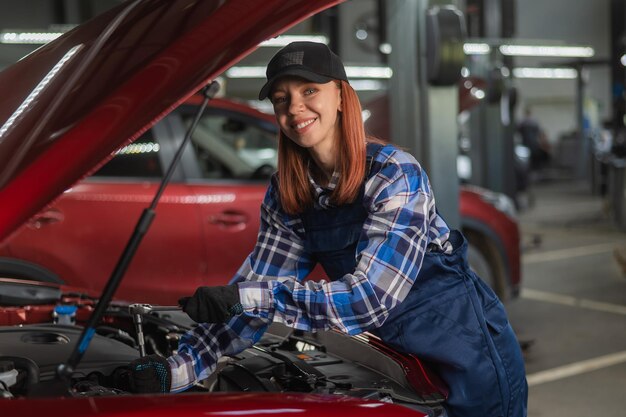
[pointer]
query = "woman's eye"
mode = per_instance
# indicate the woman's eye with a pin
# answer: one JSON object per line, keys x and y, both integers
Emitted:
{"x": 309, "y": 91}
{"x": 278, "y": 100}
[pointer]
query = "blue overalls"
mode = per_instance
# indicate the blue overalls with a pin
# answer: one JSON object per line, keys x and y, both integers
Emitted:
{"x": 450, "y": 317}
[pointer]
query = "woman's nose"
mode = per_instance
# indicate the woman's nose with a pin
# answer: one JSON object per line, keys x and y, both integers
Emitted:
{"x": 295, "y": 105}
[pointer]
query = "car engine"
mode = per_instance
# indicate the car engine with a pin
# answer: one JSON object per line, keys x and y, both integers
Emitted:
{"x": 32, "y": 348}
{"x": 35, "y": 351}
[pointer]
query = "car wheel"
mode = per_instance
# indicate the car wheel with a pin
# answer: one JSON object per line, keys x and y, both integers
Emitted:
{"x": 485, "y": 261}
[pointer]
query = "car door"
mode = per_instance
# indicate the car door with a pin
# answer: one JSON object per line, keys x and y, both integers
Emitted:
{"x": 228, "y": 165}
{"x": 81, "y": 236}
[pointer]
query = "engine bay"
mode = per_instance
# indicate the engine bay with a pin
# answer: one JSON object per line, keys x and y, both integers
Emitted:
{"x": 33, "y": 345}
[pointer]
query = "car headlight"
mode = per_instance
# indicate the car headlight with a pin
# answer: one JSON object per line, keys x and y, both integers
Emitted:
{"x": 501, "y": 202}
{"x": 464, "y": 167}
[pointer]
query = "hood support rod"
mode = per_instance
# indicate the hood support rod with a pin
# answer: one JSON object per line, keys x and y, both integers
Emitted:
{"x": 65, "y": 370}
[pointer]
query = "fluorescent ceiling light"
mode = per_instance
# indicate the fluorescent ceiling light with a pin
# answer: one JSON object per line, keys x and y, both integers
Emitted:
{"x": 139, "y": 148}
{"x": 32, "y": 97}
{"x": 367, "y": 85}
{"x": 476, "y": 48}
{"x": 368, "y": 72}
{"x": 245, "y": 72}
{"x": 32, "y": 37}
{"x": 283, "y": 40}
{"x": 351, "y": 72}
{"x": 546, "y": 73}
{"x": 549, "y": 51}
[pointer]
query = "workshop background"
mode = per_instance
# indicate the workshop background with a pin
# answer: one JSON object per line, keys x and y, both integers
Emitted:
{"x": 561, "y": 60}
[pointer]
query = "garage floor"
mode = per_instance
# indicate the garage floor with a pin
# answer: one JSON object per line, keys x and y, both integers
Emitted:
{"x": 572, "y": 309}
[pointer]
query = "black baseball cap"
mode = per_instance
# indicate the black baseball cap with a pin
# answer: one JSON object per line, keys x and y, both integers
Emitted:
{"x": 309, "y": 60}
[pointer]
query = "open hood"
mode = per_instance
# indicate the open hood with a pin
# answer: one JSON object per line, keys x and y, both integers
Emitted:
{"x": 69, "y": 105}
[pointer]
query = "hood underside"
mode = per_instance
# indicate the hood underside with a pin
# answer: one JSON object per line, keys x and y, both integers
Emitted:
{"x": 69, "y": 105}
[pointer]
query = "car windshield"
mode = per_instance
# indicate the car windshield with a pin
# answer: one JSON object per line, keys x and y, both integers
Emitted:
{"x": 229, "y": 148}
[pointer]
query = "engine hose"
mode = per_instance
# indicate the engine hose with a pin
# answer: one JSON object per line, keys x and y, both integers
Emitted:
{"x": 32, "y": 369}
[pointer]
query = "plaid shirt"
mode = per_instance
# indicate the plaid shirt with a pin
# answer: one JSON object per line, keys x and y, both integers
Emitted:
{"x": 401, "y": 226}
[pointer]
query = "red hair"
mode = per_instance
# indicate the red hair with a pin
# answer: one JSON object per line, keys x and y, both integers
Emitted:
{"x": 295, "y": 192}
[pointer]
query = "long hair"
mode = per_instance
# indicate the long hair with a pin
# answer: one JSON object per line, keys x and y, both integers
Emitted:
{"x": 295, "y": 192}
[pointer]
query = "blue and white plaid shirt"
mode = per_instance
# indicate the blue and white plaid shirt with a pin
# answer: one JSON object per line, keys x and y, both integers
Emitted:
{"x": 401, "y": 226}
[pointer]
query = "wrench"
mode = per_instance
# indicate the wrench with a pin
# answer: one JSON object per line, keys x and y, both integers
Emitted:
{"x": 137, "y": 311}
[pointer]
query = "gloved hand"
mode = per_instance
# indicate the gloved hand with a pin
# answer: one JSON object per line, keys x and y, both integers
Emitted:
{"x": 150, "y": 374}
{"x": 212, "y": 304}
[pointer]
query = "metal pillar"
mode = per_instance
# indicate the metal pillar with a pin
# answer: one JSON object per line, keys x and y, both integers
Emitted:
{"x": 617, "y": 167}
{"x": 492, "y": 125}
{"x": 618, "y": 72}
{"x": 423, "y": 117}
{"x": 582, "y": 170}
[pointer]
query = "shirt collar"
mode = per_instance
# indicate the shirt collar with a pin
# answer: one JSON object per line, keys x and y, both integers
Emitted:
{"x": 332, "y": 184}
{"x": 322, "y": 194}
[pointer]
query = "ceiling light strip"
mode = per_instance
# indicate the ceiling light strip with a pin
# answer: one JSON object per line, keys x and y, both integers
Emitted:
{"x": 35, "y": 38}
{"x": 351, "y": 72}
{"x": 556, "y": 51}
{"x": 37, "y": 90}
{"x": 545, "y": 73}
{"x": 548, "y": 51}
{"x": 476, "y": 48}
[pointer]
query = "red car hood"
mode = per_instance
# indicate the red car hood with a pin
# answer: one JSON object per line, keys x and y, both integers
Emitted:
{"x": 215, "y": 405}
{"x": 66, "y": 107}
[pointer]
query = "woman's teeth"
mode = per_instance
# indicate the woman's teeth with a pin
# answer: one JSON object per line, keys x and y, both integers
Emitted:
{"x": 304, "y": 124}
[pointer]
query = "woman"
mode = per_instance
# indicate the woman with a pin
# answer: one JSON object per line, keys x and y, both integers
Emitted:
{"x": 366, "y": 212}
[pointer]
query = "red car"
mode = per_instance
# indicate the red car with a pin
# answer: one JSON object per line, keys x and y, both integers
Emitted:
{"x": 208, "y": 217}
{"x": 206, "y": 222}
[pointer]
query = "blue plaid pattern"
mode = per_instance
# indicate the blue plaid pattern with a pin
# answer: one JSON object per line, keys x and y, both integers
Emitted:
{"x": 401, "y": 226}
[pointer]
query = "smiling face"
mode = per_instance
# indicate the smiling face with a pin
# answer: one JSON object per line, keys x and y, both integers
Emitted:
{"x": 308, "y": 114}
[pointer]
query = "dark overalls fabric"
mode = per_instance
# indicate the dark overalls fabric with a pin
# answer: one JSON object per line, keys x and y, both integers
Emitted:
{"x": 450, "y": 317}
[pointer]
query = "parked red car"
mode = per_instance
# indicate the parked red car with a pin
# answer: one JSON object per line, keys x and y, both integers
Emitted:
{"x": 208, "y": 218}
{"x": 206, "y": 222}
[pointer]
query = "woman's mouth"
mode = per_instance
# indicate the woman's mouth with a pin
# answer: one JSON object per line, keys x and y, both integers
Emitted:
{"x": 301, "y": 127}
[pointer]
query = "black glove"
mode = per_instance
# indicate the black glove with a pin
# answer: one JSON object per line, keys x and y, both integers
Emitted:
{"x": 150, "y": 374}
{"x": 212, "y": 304}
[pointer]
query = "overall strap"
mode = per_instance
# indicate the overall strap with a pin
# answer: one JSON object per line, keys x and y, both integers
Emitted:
{"x": 373, "y": 149}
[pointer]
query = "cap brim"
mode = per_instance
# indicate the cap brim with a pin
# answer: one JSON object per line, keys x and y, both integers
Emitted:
{"x": 294, "y": 72}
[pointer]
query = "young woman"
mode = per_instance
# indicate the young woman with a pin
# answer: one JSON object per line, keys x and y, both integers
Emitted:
{"x": 366, "y": 213}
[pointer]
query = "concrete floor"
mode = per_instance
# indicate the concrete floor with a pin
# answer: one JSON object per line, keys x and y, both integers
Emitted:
{"x": 573, "y": 304}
